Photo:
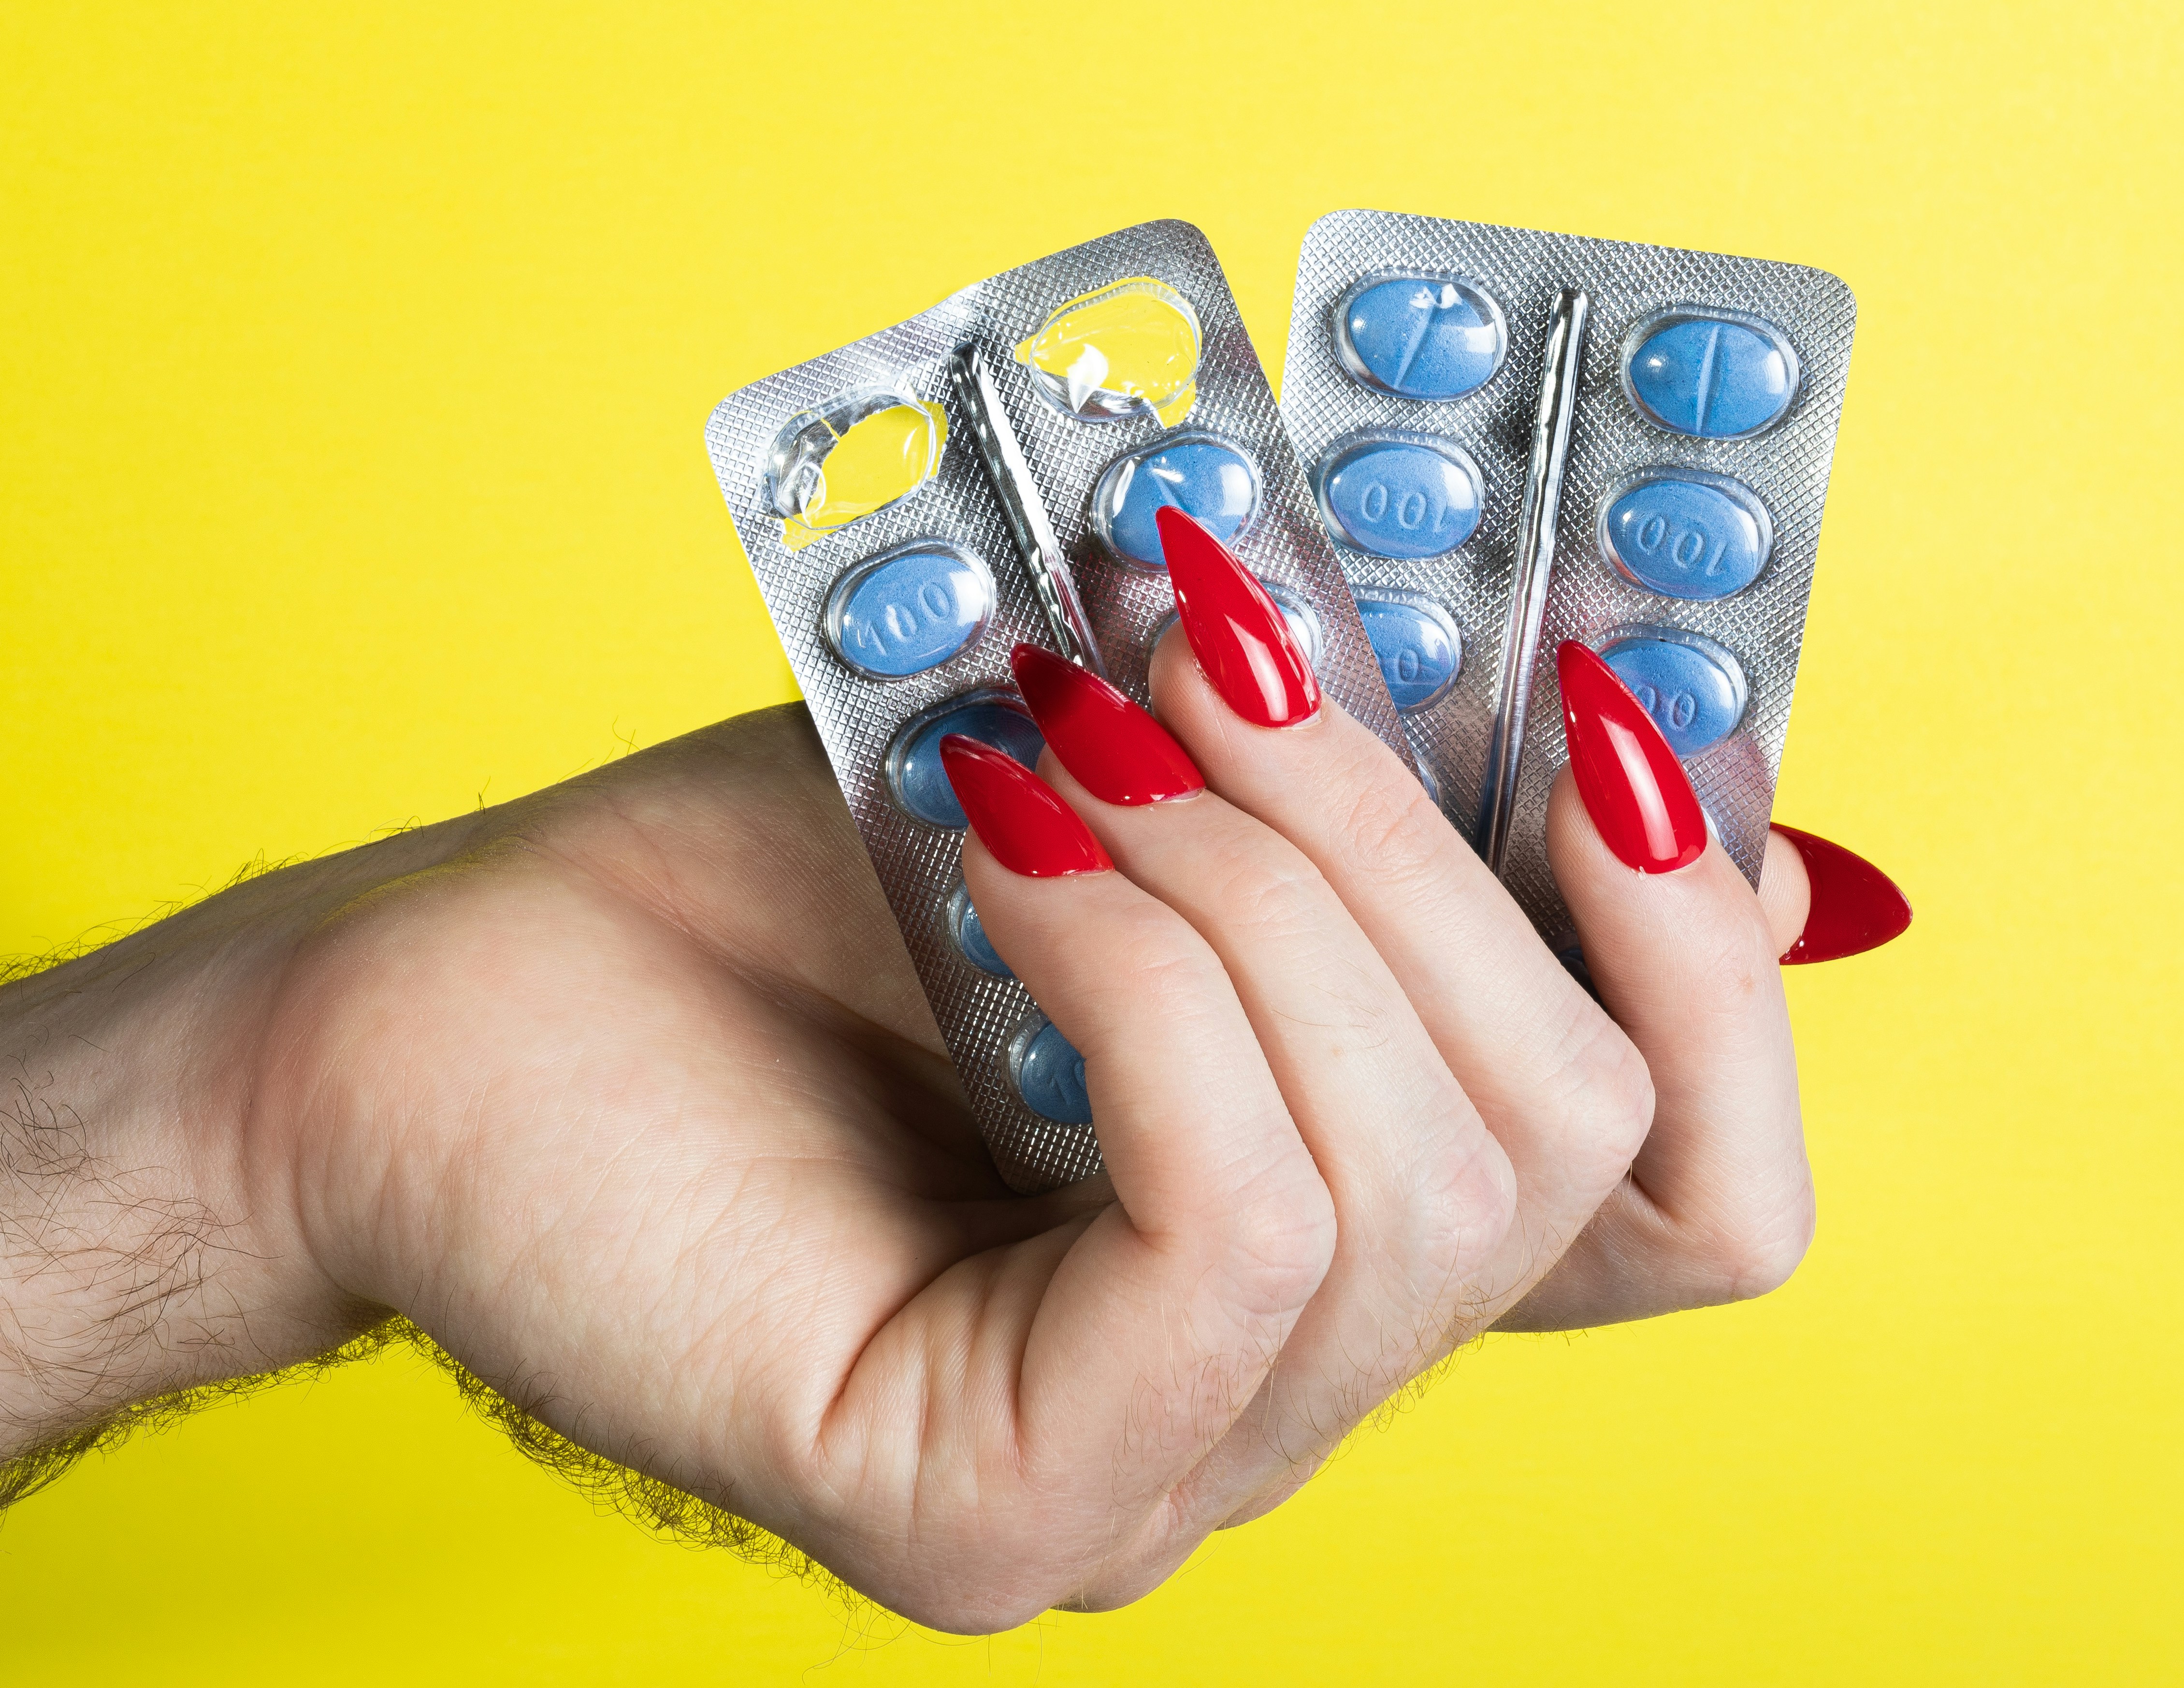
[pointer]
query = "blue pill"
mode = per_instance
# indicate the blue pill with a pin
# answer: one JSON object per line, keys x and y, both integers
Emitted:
{"x": 1416, "y": 645}
{"x": 908, "y": 610}
{"x": 913, "y": 768}
{"x": 1716, "y": 377}
{"x": 1050, "y": 1076}
{"x": 1202, "y": 477}
{"x": 1420, "y": 337}
{"x": 969, "y": 935}
{"x": 1686, "y": 533}
{"x": 1408, "y": 496}
{"x": 1693, "y": 689}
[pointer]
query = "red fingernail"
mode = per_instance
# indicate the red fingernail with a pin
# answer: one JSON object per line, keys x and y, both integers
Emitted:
{"x": 1856, "y": 907}
{"x": 1633, "y": 786}
{"x": 1238, "y": 633}
{"x": 1016, "y": 815}
{"x": 1120, "y": 754}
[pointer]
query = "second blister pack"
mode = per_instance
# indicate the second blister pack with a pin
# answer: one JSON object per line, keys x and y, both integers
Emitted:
{"x": 991, "y": 472}
{"x": 1517, "y": 438}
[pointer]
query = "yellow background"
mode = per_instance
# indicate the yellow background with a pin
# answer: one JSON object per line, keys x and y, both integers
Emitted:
{"x": 353, "y": 362}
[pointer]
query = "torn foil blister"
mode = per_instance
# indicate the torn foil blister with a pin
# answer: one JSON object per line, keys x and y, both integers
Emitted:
{"x": 895, "y": 563}
{"x": 1692, "y": 465}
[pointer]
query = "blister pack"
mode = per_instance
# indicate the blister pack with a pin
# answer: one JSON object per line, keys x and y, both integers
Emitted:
{"x": 1517, "y": 438}
{"x": 987, "y": 473}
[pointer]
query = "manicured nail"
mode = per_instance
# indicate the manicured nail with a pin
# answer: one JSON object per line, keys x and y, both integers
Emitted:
{"x": 1238, "y": 634}
{"x": 1016, "y": 815}
{"x": 1120, "y": 753}
{"x": 1856, "y": 907}
{"x": 1633, "y": 786}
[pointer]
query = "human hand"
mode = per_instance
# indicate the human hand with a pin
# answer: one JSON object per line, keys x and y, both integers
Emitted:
{"x": 612, "y": 1091}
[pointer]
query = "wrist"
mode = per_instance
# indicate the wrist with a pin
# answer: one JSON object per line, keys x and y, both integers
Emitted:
{"x": 149, "y": 1234}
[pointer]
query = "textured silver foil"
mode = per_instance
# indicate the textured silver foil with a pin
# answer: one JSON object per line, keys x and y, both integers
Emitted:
{"x": 857, "y": 718}
{"x": 1787, "y": 466}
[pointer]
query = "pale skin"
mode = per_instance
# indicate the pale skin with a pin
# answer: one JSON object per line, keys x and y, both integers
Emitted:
{"x": 625, "y": 1093}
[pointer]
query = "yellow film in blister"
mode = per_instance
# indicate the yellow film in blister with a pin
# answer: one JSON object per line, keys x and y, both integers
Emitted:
{"x": 1137, "y": 337}
{"x": 875, "y": 461}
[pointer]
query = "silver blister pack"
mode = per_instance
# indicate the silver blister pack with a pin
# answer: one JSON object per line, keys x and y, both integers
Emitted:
{"x": 872, "y": 491}
{"x": 1672, "y": 415}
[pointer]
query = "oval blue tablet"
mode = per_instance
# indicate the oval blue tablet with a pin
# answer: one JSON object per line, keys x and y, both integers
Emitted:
{"x": 908, "y": 610}
{"x": 1416, "y": 642}
{"x": 1204, "y": 477}
{"x": 1693, "y": 689}
{"x": 1686, "y": 533}
{"x": 1420, "y": 337}
{"x": 968, "y": 934}
{"x": 1722, "y": 376}
{"x": 1408, "y": 496}
{"x": 1050, "y": 1076}
{"x": 914, "y": 770}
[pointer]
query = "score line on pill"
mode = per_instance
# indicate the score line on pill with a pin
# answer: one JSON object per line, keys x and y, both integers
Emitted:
{"x": 1420, "y": 336}
{"x": 1712, "y": 375}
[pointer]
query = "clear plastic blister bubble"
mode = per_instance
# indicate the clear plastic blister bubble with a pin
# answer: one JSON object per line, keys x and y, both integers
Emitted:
{"x": 861, "y": 492}
{"x": 1701, "y": 425}
{"x": 852, "y": 454}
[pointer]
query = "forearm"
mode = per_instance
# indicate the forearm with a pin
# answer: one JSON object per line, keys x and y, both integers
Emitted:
{"x": 148, "y": 1235}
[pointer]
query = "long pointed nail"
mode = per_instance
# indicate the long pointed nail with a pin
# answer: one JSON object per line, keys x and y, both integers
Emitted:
{"x": 1120, "y": 753}
{"x": 1016, "y": 815}
{"x": 1238, "y": 633}
{"x": 1633, "y": 786}
{"x": 1856, "y": 907}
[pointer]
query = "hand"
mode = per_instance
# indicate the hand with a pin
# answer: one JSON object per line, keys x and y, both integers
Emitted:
{"x": 616, "y": 1092}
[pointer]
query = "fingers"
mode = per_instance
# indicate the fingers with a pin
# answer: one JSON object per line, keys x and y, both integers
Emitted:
{"x": 1422, "y": 1193}
{"x": 1786, "y": 892}
{"x": 1128, "y": 1343}
{"x": 1556, "y": 1082}
{"x": 1719, "y": 1201}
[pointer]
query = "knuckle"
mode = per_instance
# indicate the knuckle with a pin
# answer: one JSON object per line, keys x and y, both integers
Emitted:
{"x": 1465, "y": 1199}
{"x": 1759, "y": 1253}
{"x": 1265, "y": 884}
{"x": 1390, "y": 827}
{"x": 1613, "y": 1089}
{"x": 1279, "y": 1239}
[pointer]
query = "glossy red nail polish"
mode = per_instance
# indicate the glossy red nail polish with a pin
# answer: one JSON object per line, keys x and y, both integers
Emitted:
{"x": 1016, "y": 815}
{"x": 1856, "y": 907}
{"x": 1120, "y": 753}
{"x": 1237, "y": 632}
{"x": 1633, "y": 786}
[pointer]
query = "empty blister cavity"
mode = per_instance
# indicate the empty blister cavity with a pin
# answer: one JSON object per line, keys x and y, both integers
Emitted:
{"x": 908, "y": 610}
{"x": 1205, "y": 477}
{"x": 1417, "y": 644}
{"x": 915, "y": 777}
{"x": 859, "y": 452}
{"x": 1118, "y": 351}
{"x": 1297, "y": 610}
{"x": 1713, "y": 374}
{"x": 1420, "y": 336}
{"x": 1694, "y": 688}
{"x": 967, "y": 933}
{"x": 1049, "y": 1073}
{"x": 1686, "y": 533}
{"x": 1402, "y": 495}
